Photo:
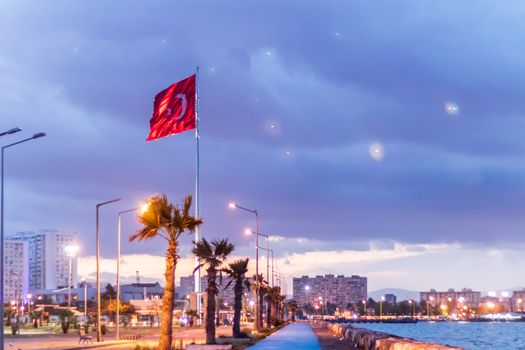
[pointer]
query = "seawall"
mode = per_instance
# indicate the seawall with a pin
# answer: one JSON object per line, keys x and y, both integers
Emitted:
{"x": 366, "y": 339}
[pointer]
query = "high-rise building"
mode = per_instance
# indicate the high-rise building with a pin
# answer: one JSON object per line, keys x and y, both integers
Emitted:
{"x": 16, "y": 270}
{"x": 48, "y": 262}
{"x": 518, "y": 300}
{"x": 339, "y": 290}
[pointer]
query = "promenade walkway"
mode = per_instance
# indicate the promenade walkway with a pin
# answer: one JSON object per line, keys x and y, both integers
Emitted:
{"x": 293, "y": 336}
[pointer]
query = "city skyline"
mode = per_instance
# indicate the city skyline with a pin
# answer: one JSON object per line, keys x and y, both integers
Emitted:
{"x": 375, "y": 150}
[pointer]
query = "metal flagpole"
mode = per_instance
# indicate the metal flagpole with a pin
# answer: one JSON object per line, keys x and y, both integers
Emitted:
{"x": 197, "y": 195}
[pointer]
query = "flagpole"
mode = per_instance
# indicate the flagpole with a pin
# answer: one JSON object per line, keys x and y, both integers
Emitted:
{"x": 197, "y": 195}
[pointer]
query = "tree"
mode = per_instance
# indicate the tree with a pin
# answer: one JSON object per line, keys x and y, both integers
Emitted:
{"x": 191, "y": 314}
{"x": 237, "y": 271}
{"x": 109, "y": 293}
{"x": 260, "y": 287}
{"x": 292, "y": 307}
{"x": 65, "y": 318}
{"x": 168, "y": 221}
{"x": 272, "y": 298}
{"x": 211, "y": 255}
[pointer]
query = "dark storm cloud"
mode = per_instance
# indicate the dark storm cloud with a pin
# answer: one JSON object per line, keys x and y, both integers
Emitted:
{"x": 332, "y": 78}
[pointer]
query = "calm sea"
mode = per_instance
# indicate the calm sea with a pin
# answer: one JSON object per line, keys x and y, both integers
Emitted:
{"x": 468, "y": 335}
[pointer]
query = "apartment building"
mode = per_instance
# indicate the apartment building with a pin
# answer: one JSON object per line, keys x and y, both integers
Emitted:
{"x": 338, "y": 290}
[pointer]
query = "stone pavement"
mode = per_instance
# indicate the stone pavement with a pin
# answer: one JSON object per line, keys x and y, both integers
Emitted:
{"x": 293, "y": 336}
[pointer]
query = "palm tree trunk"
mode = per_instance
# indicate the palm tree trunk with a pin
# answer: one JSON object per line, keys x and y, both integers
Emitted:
{"x": 268, "y": 312}
{"x": 260, "y": 308}
{"x": 237, "y": 309}
{"x": 210, "y": 306}
{"x": 168, "y": 298}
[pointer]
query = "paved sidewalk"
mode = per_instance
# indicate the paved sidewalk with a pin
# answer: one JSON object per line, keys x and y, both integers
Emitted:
{"x": 293, "y": 336}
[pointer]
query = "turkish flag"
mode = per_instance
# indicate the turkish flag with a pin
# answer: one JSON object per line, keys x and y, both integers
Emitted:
{"x": 173, "y": 110}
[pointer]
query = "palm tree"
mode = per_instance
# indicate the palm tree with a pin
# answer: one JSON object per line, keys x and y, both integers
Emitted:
{"x": 191, "y": 314}
{"x": 212, "y": 255}
{"x": 261, "y": 287}
{"x": 272, "y": 299}
{"x": 292, "y": 306}
{"x": 169, "y": 222}
{"x": 237, "y": 272}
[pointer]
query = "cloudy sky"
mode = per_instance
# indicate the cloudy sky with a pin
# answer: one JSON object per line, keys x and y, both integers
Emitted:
{"x": 376, "y": 138}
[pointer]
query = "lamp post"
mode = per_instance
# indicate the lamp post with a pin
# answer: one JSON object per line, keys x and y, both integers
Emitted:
{"x": 381, "y": 306}
{"x": 10, "y": 131}
{"x": 85, "y": 298}
{"x": 35, "y": 136}
{"x": 257, "y": 319}
{"x": 268, "y": 250}
{"x": 29, "y": 297}
{"x": 431, "y": 298}
{"x": 71, "y": 252}
{"x": 411, "y": 302}
{"x": 142, "y": 208}
{"x": 306, "y": 289}
{"x": 99, "y": 328}
{"x": 271, "y": 251}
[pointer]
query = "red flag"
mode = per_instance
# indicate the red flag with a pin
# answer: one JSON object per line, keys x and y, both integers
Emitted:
{"x": 173, "y": 110}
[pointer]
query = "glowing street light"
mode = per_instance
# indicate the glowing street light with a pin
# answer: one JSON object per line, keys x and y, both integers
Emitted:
{"x": 431, "y": 298}
{"x": 99, "y": 308}
{"x": 411, "y": 302}
{"x": 256, "y": 319}
{"x": 381, "y": 306}
{"x": 35, "y": 136}
{"x": 143, "y": 208}
{"x": 71, "y": 252}
{"x": 306, "y": 289}
{"x": 490, "y": 305}
{"x": 249, "y": 232}
{"x": 29, "y": 296}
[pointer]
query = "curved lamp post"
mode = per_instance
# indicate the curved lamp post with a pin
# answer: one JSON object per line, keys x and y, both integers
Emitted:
{"x": 35, "y": 136}
{"x": 142, "y": 208}
{"x": 257, "y": 319}
{"x": 71, "y": 252}
{"x": 99, "y": 328}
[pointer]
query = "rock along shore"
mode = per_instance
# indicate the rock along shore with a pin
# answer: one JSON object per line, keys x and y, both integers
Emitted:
{"x": 365, "y": 339}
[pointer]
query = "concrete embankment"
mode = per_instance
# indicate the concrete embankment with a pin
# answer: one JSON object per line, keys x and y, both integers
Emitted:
{"x": 370, "y": 340}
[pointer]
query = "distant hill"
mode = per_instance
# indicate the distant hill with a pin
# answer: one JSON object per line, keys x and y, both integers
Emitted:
{"x": 401, "y": 294}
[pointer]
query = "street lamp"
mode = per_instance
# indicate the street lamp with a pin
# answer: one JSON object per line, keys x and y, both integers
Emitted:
{"x": 35, "y": 136}
{"x": 431, "y": 298}
{"x": 306, "y": 289}
{"x": 99, "y": 328}
{"x": 257, "y": 319}
{"x": 143, "y": 208}
{"x": 71, "y": 252}
{"x": 29, "y": 297}
{"x": 249, "y": 232}
{"x": 85, "y": 297}
{"x": 10, "y": 131}
{"x": 411, "y": 302}
{"x": 381, "y": 306}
